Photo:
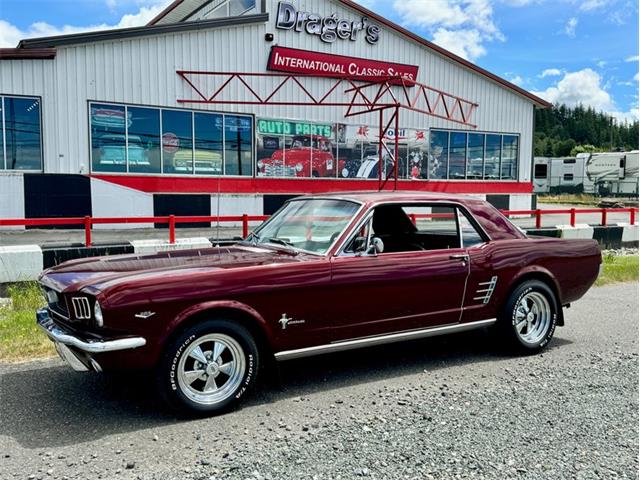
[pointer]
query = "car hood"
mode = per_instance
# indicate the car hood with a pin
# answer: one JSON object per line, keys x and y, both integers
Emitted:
{"x": 99, "y": 273}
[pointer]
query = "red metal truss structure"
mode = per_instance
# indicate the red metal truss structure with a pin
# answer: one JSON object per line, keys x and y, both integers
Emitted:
{"x": 388, "y": 94}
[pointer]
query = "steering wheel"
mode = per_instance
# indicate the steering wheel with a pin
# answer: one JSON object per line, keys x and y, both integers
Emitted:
{"x": 333, "y": 238}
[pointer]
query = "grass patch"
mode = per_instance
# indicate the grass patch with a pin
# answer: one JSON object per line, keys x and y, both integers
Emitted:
{"x": 618, "y": 269}
{"x": 20, "y": 337}
{"x": 569, "y": 199}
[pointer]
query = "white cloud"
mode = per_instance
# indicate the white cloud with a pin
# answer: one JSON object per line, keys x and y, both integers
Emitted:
{"x": 585, "y": 87}
{"x": 550, "y": 72}
{"x": 633, "y": 58}
{"x": 464, "y": 43}
{"x": 517, "y": 80}
{"x": 601, "y": 63}
{"x": 635, "y": 77}
{"x": 10, "y": 35}
{"x": 570, "y": 27}
{"x": 461, "y": 26}
{"x": 589, "y": 5}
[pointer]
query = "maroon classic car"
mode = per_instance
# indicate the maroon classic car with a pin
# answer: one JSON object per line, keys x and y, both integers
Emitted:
{"x": 325, "y": 273}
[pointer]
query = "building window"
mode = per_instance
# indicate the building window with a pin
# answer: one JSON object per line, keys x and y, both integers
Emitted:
{"x": 143, "y": 140}
{"x": 238, "y": 145}
{"x": 209, "y": 142}
{"x": 492, "y": 157}
{"x": 170, "y": 141}
{"x": 177, "y": 142}
{"x": 475, "y": 158}
{"x": 457, "y": 155}
{"x": 438, "y": 154}
{"x": 20, "y": 129}
{"x": 568, "y": 177}
{"x": 509, "y": 163}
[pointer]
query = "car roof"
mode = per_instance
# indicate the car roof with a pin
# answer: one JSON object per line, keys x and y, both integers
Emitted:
{"x": 397, "y": 196}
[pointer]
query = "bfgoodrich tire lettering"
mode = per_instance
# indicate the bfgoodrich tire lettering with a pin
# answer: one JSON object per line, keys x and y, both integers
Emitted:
{"x": 529, "y": 317}
{"x": 209, "y": 367}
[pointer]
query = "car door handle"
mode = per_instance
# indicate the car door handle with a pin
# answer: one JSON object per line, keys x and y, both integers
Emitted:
{"x": 460, "y": 256}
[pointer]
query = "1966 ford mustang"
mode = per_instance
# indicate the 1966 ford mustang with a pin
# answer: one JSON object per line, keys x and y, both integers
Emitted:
{"x": 325, "y": 273}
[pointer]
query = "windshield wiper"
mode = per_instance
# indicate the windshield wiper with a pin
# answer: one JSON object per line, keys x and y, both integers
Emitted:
{"x": 281, "y": 241}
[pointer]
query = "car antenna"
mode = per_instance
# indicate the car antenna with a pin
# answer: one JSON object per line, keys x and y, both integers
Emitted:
{"x": 218, "y": 218}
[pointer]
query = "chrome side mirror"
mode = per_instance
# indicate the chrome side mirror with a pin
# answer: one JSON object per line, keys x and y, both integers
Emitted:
{"x": 376, "y": 246}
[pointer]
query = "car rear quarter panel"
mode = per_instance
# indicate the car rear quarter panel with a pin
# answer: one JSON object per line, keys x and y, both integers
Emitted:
{"x": 570, "y": 266}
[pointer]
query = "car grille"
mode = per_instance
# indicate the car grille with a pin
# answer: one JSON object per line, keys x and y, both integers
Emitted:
{"x": 81, "y": 308}
{"x": 279, "y": 171}
{"x": 56, "y": 302}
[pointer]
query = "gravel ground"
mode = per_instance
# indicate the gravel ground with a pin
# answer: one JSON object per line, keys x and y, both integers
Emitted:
{"x": 432, "y": 409}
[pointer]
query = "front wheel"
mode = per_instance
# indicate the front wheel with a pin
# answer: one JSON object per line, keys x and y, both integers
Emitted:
{"x": 529, "y": 317}
{"x": 209, "y": 367}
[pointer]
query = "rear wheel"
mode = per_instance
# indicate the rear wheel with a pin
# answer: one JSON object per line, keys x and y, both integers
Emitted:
{"x": 529, "y": 317}
{"x": 209, "y": 367}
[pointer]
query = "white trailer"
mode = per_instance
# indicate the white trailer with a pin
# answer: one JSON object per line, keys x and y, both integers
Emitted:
{"x": 558, "y": 174}
{"x": 611, "y": 173}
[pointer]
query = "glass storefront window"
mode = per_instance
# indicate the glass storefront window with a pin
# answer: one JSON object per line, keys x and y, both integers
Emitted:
{"x": 143, "y": 140}
{"x": 475, "y": 156}
{"x": 492, "y": 157}
{"x": 208, "y": 152}
{"x": 438, "y": 154}
{"x": 177, "y": 142}
{"x": 108, "y": 138}
{"x": 457, "y": 155}
{"x": 238, "y": 145}
{"x": 129, "y": 139}
{"x": 509, "y": 157}
{"x": 22, "y": 142}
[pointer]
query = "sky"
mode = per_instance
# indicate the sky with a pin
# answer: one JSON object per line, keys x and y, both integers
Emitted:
{"x": 566, "y": 51}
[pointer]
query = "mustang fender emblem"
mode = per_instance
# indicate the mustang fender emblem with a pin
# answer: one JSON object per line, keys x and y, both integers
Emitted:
{"x": 284, "y": 321}
{"x": 145, "y": 315}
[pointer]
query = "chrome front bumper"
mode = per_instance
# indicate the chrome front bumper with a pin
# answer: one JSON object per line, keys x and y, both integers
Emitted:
{"x": 64, "y": 339}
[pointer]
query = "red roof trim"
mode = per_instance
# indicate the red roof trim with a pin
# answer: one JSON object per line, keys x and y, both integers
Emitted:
{"x": 165, "y": 12}
{"x": 368, "y": 13}
{"x": 27, "y": 54}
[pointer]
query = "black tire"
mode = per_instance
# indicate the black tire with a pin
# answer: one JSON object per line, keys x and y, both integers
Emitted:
{"x": 240, "y": 350}
{"x": 530, "y": 338}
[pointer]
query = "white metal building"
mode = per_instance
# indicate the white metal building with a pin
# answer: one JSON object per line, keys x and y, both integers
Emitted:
{"x": 97, "y": 123}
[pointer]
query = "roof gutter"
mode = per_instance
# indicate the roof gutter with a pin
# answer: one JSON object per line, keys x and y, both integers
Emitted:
{"x": 30, "y": 54}
{"x": 143, "y": 31}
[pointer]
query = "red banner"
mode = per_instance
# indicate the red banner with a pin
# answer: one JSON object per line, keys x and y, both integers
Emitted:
{"x": 292, "y": 60}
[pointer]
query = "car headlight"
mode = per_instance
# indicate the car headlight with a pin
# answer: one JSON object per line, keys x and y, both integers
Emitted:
{"x": 97, "y": 314}
{"x": 345, "y": 172}
{"x": 299, "y": 167}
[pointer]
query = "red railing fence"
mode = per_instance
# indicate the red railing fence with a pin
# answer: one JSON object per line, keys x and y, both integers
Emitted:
{"x": 88, "y": 222}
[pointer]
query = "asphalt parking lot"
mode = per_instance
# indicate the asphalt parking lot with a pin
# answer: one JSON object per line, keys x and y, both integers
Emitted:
{"x": 451, "y": 407}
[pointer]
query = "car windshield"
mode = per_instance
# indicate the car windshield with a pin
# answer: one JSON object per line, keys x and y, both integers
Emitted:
{"x": 310, "y": 225}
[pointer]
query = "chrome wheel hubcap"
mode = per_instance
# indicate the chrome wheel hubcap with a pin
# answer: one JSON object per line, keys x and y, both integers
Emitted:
{"x": 211, "y": 369}
{"x": 533, "y": 317}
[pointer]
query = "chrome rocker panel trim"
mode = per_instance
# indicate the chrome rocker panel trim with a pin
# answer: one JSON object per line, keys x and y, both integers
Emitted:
{"x": 382, "y": 339}
{"x": 57, "y": 334}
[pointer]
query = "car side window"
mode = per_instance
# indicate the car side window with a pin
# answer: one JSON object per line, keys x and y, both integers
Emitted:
{"x": 408, "y": 228}
{"x": 469, "y": 233}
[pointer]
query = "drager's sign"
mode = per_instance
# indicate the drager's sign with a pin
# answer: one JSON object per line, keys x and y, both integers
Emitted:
{"x": 329, "y": 29}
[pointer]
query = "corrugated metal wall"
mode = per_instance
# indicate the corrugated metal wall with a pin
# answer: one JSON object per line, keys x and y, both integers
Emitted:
{"x": 142, "y": 71}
